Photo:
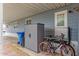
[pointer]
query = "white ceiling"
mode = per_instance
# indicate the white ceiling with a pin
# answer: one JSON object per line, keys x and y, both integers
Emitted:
{"x": 15, "y": 11}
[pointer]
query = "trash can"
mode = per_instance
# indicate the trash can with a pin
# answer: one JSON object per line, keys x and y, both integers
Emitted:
{"x": 21, "y": 38}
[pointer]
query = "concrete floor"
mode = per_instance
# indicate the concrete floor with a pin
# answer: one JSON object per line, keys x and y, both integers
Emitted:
{"x": 9, "y": 47}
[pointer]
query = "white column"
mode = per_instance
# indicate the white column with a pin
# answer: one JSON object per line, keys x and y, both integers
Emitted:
{"x": 1, "y": 22}
{"x": 1, "y": 18}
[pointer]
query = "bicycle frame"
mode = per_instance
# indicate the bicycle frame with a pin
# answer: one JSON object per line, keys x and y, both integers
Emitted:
{"x": 62, "y": 47}
{"x": 54, "y": 48}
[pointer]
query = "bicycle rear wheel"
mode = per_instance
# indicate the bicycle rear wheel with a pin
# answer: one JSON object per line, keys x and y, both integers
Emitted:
{"x": 67, "y": 50}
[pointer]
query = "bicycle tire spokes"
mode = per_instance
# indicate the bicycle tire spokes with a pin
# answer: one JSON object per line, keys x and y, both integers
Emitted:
{"x": 67, "y": 51}
{"x": 64, "y": 48}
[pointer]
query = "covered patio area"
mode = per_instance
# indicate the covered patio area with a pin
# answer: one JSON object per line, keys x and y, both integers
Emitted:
{"x": 38, "y": 21}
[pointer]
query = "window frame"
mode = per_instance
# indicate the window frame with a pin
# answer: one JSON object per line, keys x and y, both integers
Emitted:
{"x": 65, "y": 18}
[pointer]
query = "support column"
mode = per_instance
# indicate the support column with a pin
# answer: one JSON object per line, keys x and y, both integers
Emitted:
{"x": 1, "y": 18}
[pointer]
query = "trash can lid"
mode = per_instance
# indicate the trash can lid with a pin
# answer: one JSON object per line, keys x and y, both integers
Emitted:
{"x": 20, "y": 32}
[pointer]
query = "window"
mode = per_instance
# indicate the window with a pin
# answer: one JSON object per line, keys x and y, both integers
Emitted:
{"x": 28, "y": 21}
{"x": 61, "y": 19}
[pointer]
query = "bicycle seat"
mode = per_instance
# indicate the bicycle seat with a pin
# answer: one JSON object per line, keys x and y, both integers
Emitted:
{"x": 52, "y": 40}
{"x": 56, "y": 41}
{"x": 54, "y": 48}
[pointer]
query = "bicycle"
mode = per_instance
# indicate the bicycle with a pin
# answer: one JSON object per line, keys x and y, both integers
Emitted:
{"x": 63, "y": 47}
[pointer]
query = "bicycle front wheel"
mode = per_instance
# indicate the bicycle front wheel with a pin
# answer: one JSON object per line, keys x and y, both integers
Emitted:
{"x": 43, "y": 46}
{"x": 67, "y": 50}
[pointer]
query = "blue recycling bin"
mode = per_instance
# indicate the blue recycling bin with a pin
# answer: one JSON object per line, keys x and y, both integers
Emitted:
{"x": 20, "y": 37}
